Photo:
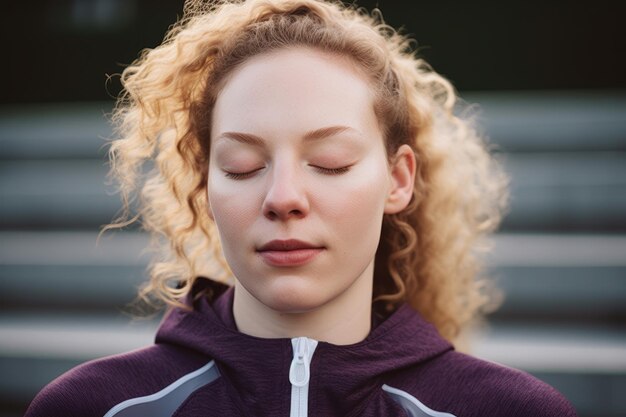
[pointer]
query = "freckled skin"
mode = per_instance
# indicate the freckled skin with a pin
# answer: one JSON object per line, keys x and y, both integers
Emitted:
{"x": 285, "y": 192}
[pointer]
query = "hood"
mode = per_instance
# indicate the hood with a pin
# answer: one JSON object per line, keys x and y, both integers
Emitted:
{"x": 258, "y": 369}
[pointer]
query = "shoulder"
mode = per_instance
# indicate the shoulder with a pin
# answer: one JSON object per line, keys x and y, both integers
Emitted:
{"x": 506, "y": 390}
{"x": 465, "y": 386}
{"x": 93, "y": 388}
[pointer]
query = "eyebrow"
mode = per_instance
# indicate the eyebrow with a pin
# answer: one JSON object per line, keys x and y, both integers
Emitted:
{"x": 317, "y": 134}
{"x": 326, "y": 132}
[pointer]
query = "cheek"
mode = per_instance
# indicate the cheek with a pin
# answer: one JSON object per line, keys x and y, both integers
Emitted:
{"x": 233, "y": 208}
{"x": 356, "y": 207}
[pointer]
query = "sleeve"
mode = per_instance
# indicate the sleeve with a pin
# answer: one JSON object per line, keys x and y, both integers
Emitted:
{"x": 516, "y": 393}
{"x": 67, "y": 396}
{"x": 472, "y": 387}
{"x": 87, "y": 390}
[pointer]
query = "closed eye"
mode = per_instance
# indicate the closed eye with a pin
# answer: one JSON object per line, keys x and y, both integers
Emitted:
{"x": 332, "y": 171}
{"x": 241, "y": 175}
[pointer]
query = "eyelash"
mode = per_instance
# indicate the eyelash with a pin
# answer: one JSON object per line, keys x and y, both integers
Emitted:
{"x": 332, "y": 171}
{"x": 327, "y": 171}
{"x": 239, "y": 175}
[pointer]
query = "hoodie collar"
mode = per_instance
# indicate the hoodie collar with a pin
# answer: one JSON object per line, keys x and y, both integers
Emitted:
{"x": 258, "y": 369}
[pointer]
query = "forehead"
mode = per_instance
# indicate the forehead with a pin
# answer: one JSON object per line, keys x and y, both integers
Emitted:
{"x": 294, "y": 90}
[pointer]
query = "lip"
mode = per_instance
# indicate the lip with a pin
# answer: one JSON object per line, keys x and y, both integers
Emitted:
{"x": 289, "y": 252}
{"x": 286, "y": 245}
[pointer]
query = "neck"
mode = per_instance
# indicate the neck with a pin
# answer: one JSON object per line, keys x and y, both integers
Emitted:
{"x": 343, "y": 320}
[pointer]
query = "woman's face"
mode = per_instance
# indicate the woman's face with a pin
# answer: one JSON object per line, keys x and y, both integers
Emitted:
{"x": 299, "y": 178}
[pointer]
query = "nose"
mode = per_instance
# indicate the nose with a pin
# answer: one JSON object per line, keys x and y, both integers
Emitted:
{"x": 286, "y": 197}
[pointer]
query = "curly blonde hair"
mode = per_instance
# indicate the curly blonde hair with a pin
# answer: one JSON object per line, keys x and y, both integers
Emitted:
{"x": 429, "y": 254}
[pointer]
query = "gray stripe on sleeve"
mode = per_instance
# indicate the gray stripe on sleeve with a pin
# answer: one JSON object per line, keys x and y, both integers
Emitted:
{"x": 165, "y": 402}
{"x": 413, "y": 406}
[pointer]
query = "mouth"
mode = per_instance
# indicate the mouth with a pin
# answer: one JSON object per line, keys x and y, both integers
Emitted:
{"x": 290, "y": 252}
{"x": 287, "y": 245}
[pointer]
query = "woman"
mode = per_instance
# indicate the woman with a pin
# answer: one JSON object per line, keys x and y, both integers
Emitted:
{"x": 306, "y": 157}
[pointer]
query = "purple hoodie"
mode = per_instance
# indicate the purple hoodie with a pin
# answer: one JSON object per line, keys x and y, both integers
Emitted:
{"x": 201, "y": 365}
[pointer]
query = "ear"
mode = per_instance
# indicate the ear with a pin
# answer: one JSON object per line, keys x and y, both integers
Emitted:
{"x": 403, "y": 167}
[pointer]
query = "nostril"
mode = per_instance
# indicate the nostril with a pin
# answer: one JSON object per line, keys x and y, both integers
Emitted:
{"x": 277, "y": 214}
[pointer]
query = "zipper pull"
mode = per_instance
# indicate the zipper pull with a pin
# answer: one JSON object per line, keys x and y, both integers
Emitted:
{"x": 299, "y": 371}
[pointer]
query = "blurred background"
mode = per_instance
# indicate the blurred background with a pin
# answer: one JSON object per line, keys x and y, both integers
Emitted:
{"x": 549, "y": 78}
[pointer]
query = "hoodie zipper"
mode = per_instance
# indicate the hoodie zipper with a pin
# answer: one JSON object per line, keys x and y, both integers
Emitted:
{"x": 300, "y": 374}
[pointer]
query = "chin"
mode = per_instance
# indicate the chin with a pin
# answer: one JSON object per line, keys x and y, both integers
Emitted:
{"x": 292, "y": 297}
